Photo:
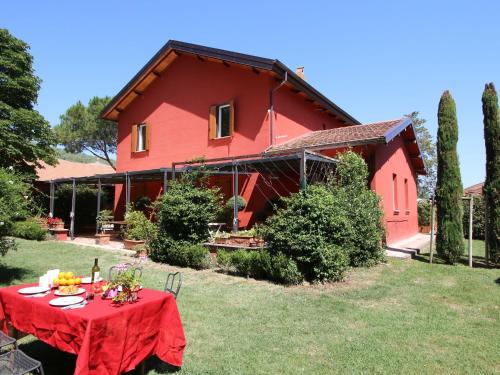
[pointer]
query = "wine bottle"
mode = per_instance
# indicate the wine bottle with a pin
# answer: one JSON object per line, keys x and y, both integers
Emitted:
{"x": 95, "y": 272}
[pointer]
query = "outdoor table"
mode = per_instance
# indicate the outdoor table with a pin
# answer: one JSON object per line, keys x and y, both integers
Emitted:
{"x": 107, "y": 339}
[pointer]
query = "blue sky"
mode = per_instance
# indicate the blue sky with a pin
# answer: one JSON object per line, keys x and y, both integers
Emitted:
{"x": 376, "y": 59}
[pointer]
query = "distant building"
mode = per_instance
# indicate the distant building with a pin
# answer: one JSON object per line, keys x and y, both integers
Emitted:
{"x": 474, "y": 190}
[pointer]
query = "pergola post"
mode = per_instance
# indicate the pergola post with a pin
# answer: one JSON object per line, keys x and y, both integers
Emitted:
{"x": 72, "y": 213}
{"x": 303, "y": 170}
{"x": 173, "y": 171}
{"x": 51, "y": 201}
{"x": 471, "y": 218}
{"x": 235, "y": 199}
{"x": 165, "y": 181}
{"x": 127, "y": 190}
{"x": 98, "y": 203}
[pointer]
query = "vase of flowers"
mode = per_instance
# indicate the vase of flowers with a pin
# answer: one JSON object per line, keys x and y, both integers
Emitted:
{"x": 123, "y": 288}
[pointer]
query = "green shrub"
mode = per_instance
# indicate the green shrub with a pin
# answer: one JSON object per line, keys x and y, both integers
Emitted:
{"x": 29, "y": 230}
{"x": 241, "y": 203}
{"x": 260, "y": 264}
{"x": 424, "y": 212}
{"x": 311, "y": 220}
{"x": 138, "y": 227}
{"x": 185, "y": 210}
{"x": 328, "y": 226}
{"x": 224, "y": 259}
{"x": 14, "y": 204}
{"x": 181, "y": 253}
{"x": 362, "y": 207}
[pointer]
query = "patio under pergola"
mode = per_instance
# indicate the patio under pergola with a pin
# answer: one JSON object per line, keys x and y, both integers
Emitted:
{"x": 280, "y": 172}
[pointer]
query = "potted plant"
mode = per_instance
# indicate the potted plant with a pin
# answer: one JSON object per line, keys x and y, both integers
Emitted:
{"x": 243, "y": 237}
{"x": 103, "y": 221}
{"x": 55, "y": 223}
{"x": 138, "y": 229}
{"x": 222, "y": 238}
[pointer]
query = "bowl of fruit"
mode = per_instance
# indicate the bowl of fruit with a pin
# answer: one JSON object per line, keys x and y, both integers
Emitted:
{"x": 68, "y": 284}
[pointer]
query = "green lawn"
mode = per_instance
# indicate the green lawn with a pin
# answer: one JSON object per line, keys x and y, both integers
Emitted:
{"x": 405, "y": 316}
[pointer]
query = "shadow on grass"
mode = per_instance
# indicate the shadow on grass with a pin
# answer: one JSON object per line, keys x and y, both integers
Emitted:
{"x": 55, "y": 362}
{"x": 498, "y": 281}
{"x": 159, "y": 366}
{"x": 8, "y": 274}
{"x": 477, "y": 261}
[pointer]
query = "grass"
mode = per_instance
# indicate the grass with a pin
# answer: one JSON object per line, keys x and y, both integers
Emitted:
{"x": 406, "y": 316}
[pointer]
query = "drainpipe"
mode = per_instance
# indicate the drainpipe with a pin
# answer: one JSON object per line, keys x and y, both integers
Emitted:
{"x": 271, "y": 108}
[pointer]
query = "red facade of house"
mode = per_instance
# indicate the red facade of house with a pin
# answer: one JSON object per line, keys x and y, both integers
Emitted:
{"x": 173, "y": 95}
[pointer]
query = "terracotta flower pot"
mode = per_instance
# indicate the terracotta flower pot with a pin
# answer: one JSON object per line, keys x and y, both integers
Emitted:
{"x": 57, "y": 226}
{"x": 220, "y": 240}
{"x": 60, "y": 234}
{"x": 425, "y": 229}
{"x": 102, "y": 238}
{"x": 131, "y": 244}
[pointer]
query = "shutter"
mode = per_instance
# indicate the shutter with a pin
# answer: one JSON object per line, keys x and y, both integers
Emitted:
{"x": 212, "y": 123}
{"x": 148, "y": 136}
{"x": 231, "y": 118}
{"x": 133, "y": 137}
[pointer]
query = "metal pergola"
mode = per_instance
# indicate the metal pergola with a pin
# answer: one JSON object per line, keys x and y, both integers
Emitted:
{"x": 305, "y": 162}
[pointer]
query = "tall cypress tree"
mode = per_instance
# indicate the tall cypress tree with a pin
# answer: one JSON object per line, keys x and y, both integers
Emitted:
{"x": 449, "y": 190}
{"x": 492, "y": 184}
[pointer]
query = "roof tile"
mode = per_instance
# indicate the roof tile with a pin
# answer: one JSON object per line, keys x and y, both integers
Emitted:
{"x": 348, "y": 135}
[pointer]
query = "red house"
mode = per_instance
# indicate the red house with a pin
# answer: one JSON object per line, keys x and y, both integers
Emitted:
{"x": 257, "y": 117}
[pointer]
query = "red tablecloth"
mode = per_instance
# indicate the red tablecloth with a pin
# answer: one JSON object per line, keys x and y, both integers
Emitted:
{"x": 107, "y": 339}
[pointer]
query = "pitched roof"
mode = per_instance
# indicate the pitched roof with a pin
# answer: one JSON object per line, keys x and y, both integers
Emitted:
{"x": 67, "y": 169}
{"x": 349, "y": 136}
{"x": 475, "y": 190}
{"x": 169, "y": 52}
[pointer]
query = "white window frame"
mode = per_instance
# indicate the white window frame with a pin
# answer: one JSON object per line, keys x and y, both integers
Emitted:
{"x": 141, "y": 138}
{"x": 219, "y": 119}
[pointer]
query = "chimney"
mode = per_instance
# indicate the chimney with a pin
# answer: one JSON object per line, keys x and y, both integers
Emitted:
{"x": 300, "y": 72}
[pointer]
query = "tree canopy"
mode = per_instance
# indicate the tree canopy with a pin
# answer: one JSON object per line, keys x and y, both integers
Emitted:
{"x": 425, "y": 184}
{"x": 82, "y": 129}
{"x": 449, "y": 190}
{"x": 25, "y": 136}
{"x": 492, "y": 183}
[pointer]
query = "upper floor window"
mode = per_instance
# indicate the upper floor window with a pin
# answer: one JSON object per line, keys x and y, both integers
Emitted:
{"x": 140, "y": 137}
{"x": 221, "y": 120}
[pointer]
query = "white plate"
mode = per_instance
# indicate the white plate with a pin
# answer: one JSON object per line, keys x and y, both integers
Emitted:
{"x": 86, "y": 280}
{"x": 33, "y": 290}
{"x": 65, "y": 301}
{"x": 79, "y": 291}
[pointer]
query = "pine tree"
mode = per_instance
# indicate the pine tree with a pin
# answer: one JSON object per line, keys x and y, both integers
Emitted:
{"x": 491, "y": 188}
{"x": 449, "y": 241}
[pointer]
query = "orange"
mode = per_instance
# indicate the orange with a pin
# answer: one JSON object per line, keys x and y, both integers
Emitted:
{"x": 71, "y": 282}
{"x": 78, "y": 281}
{"x": 55, "y": 281}
{"x": 69, "y": 275}
{"x": 61, "y": 275}
{"x": 62, "y": 282}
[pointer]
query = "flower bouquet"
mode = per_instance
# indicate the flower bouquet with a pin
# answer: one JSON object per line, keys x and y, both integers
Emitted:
{"x": 123, "y": 288}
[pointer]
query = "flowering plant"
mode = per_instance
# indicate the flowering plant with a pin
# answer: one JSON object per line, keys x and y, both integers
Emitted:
{"x": 124, "y": 287}
{"x": 54, "y": 220}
